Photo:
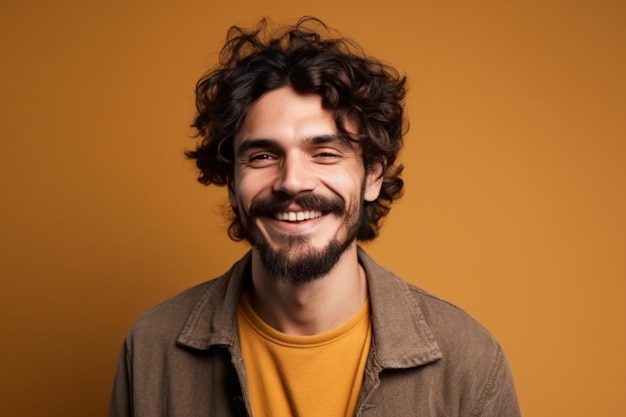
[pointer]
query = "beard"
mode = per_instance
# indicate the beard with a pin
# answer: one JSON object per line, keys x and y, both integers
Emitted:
{"x": 298, "y": 262}
{"x": 306, "y": 267}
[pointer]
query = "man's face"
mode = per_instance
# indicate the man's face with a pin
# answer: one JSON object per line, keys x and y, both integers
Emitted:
{"x": 298, "y": 186}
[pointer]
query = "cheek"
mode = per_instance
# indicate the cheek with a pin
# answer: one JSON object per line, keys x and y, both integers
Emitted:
{"x": 338, "y": 182}
{"x": 343, "y": 175}
{"x": 248, "y": 188}
{"x": 348, "y": 186}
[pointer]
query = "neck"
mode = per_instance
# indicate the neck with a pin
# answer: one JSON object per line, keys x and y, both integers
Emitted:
{"x": 313, "y": 307}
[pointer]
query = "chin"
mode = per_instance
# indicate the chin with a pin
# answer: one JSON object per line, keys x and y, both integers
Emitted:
{"x": 307, "y": 265}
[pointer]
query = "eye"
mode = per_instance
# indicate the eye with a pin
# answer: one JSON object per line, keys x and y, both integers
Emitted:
{"x": 327, "y": 156}
{"x": 261, "y": 159}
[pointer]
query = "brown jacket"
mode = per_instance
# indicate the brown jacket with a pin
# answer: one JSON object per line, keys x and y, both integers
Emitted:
{"x": 428, "y": 358}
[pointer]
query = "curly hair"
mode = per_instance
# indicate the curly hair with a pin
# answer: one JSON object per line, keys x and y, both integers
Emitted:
{"x": 355, "y": 88}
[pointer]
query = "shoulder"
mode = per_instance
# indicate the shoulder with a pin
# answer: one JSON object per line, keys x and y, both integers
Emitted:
{"x": 444, "y": 346}
{"x": 198, "y": 311}
{"x": 469, "y": 352}
{"x": 449, "y": 323}
{"x": 404, "y": 304}
{"x": 167, "y": 318}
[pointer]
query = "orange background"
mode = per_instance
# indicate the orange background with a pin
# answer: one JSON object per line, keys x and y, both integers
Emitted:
{"x": 515, "y": 207}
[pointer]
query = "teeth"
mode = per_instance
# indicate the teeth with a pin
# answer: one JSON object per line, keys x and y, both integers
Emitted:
{"x": 293, "y": 216}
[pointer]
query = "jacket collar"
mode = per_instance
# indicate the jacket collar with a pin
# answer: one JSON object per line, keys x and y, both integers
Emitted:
{"x": 213, "y": 321}
{"x": 401, "y": 336}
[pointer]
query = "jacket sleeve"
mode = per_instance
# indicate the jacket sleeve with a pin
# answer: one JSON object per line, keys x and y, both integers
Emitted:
{"x": 498, "y": 398}
{"x": 121, "y": 398}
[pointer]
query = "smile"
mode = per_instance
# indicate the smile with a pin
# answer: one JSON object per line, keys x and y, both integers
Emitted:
{"x": 293, "y": 216}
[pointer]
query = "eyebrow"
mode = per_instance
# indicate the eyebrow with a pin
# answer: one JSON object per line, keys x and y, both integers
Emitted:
{"x": 331, "y": 138}
{"x": 262, "y": 143}
{"x": 248, "y": 144}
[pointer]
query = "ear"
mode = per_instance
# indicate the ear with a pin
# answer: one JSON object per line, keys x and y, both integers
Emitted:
{"x": 373, "y": 182}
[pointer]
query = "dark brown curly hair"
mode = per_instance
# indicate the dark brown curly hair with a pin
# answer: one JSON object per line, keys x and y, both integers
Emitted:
{"x": 352, "y": 86}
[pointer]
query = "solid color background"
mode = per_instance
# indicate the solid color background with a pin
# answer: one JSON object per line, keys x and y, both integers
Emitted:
{"x": 514, "y": 209}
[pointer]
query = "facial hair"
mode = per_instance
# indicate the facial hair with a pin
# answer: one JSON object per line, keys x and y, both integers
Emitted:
{"x": 311, "y": 263}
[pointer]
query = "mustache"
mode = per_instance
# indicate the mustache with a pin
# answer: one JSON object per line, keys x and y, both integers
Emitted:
{"x": 306, "y": 201}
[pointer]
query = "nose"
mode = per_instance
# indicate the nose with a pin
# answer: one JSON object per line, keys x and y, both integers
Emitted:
{"x": 295, "y": 176}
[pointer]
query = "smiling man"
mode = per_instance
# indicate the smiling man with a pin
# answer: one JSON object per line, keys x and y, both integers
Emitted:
{"x": 298, "y": 187}
{"x": 304, "y": 131}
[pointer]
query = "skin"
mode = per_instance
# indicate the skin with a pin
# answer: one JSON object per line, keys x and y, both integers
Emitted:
{"x": 288, "y": 144}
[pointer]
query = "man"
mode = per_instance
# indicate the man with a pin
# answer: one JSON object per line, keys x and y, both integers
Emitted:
{"x": 304, "y": 132}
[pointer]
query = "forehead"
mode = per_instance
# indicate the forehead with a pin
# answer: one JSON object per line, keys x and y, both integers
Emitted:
{"x": 284, "y": 115}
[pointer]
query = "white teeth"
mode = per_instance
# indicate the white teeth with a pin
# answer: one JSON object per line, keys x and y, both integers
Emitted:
{"x": 293, "y": 216}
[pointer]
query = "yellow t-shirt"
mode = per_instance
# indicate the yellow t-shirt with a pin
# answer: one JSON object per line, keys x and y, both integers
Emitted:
{"x": 300, "y": 376}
